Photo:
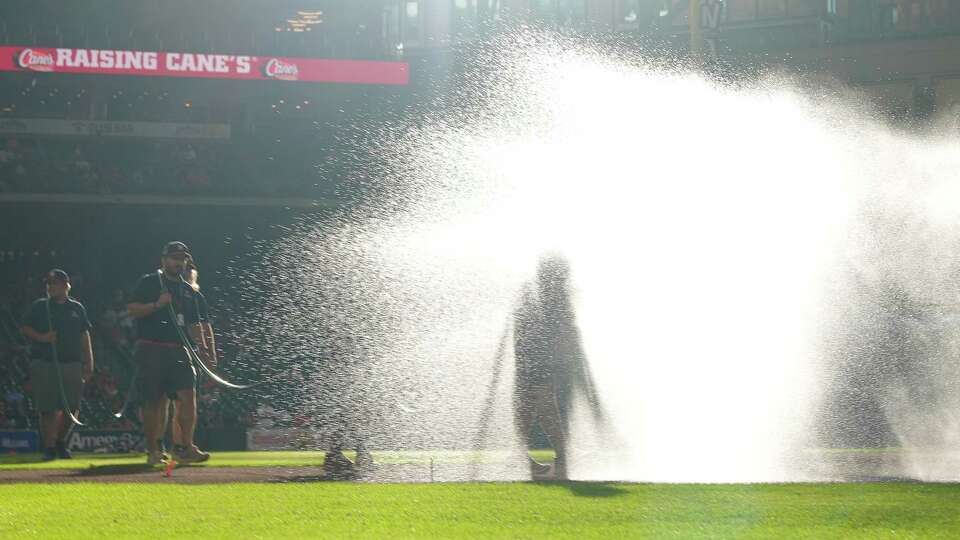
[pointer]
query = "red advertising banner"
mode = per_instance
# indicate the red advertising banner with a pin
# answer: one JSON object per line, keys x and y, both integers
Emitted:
{"x": 217, "y": 66}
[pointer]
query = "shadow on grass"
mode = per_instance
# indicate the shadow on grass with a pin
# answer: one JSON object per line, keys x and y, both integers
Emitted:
{"x": 21, "y": 459}
{"x": 588, "y": 489}
{"x": 304, "y": 479}
{"x": 343, "y": 476}
{"x": 82, "y": 457}
{"x": 112, "y": 470}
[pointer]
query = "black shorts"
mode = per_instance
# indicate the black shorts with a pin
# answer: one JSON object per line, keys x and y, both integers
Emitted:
{"x": 163, "y": 369}
{"x": 46, "y": 385}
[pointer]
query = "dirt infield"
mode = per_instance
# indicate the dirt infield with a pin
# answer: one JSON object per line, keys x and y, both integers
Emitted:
{"x": 137, "y": 473}
{"x": 149, "y": 474}
{"x": 873, "y": 466}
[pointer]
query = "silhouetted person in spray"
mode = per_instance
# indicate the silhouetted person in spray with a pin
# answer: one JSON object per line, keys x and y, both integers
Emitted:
{"x": 552, "y": 373}
{"x": 545, "y": 338}
{"x": 335, "y": 464}
{"x": 343, "y": 411}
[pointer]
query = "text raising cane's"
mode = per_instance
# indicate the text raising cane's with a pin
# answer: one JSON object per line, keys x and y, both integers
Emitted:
{"x": 222, "y": 66}
{"x": 133, "y": 60}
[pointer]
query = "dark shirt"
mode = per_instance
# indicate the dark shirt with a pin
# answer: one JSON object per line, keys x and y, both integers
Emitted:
{"x": 546, "y": 339}
{"x": 188, "y": 305}
{"x": 534, "y": 340}
{"x": 69, "y": 322}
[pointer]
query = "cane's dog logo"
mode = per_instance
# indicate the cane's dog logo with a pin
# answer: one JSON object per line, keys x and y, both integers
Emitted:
{"x": 278, "y": 69}
{"x": 34, "y": 60}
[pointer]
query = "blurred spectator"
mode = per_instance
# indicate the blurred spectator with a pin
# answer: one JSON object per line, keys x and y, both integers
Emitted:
{"x": 295, "y": 162}
{"x": 116, "y": 323}
{"x": 16, "y": 409}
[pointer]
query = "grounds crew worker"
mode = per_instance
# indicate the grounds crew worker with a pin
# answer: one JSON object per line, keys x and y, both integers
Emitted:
{"x": 543, "y": 332}
{"x": 163, "y": 363}
{"x": 191, "y": 276}
{"x": 68, "y": 341}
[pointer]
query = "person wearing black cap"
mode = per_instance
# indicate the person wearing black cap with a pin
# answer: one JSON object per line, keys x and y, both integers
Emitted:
{"x": 59, "y": 330}
{"x": 191, "y": 276}
{"x": 163, "y": 363}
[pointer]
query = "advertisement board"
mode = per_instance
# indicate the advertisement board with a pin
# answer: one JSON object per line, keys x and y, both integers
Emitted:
{"x": 19, "y": 441}
{"x": 205, "y": 65}
{"x": 105, "y": 441}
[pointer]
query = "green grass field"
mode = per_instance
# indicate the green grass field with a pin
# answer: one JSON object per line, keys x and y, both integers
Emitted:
{"x": 511, "y": 510}
{"x": 466, "y": 510}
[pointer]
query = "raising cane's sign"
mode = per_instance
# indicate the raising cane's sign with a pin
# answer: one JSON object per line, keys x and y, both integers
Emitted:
{"x": 220, "y": 66}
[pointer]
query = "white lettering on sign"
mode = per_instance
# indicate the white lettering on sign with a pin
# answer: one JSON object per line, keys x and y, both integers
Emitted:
{"x": 243, "y": 64}
{"x": 173, "y": 61}
{"x": 121, "y": 441}
{"x": 14, "y": 443}
{"x": 106, "y": 59}
{"x": 198, "y": 63}
{"x": 182, "y": 64}
{"x": 713, "y": 12}
{"x": 36, "y": 61}
{"x": 278, "y": 69}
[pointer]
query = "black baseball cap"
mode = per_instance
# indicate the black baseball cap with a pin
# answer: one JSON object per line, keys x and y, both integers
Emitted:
{"x": 57, "y": 275}
{"x": 175, "y": 248}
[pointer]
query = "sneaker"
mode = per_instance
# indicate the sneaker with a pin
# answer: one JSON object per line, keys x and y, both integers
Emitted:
{"x": 364, "y": 458}
{"x": 336, "y": 466}
{"x": 49, "y": 454}
{"x": 155, "y": 458}
{"x": 191, "y": 454}
{"x": 62, "y": 451}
